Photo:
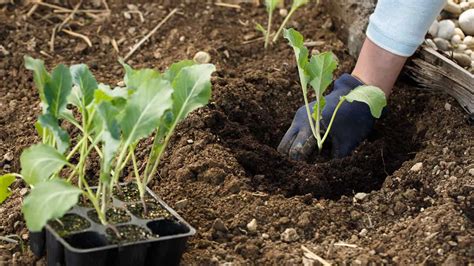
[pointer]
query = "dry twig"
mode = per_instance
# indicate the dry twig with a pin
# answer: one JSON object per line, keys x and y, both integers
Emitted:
{"x": 227, "y": 5}
{"x": 75, "y": 34}
{"x": 32, "y": 9}
{"x": 70, "y": 16}
{"x": 310, "y": 255}
{"x": 342, "y": 244}
{"x": 144, "y": 39}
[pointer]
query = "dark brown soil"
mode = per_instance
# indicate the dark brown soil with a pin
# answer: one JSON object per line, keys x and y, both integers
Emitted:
{"x": 127, "y": 234}
{"x": 114, "y": 216}
{"x": 69, "y": 223}
{"x": 222, "y": 165}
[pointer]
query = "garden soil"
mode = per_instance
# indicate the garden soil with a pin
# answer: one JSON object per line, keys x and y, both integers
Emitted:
{"x": 414, "y": 175}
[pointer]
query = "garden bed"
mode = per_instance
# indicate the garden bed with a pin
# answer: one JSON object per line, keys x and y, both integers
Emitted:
{"x": 222, "y": 170}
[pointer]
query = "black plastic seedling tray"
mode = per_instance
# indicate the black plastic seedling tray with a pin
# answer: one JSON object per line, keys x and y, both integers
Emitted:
{"x": 91, "y": 246}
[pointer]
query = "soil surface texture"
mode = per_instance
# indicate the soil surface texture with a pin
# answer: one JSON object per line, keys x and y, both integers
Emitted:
{"x": 405, "y": 196}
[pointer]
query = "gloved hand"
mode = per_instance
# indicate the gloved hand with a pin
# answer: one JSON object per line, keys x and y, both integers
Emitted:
{"x": 352, "y": 124}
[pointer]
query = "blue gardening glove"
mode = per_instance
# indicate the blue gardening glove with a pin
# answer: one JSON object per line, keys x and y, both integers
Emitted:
{"x": 352, "y": 124}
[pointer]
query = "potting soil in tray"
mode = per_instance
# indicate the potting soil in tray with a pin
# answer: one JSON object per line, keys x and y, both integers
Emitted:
{"x": 159, "y": 237}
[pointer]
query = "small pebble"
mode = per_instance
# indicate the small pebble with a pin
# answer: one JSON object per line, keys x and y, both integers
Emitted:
{"x": 190, "y": 141}
{"x": 283, "y": 12}
{"x": 446, "y": 29}
{"x": 452, "y": 7}
{"x": 447, "y": 107}
{"x": 456, "y": 39}
{"x": 433, "y": 31}
{"x": 8, "y": 157}
{"x": 462, "y": 59}
{"x": 360, "y": 196}
{"x": 182, "y": 38}
{"x": 202, "y": 57}
{"x": 471, "y": 171}
{"x": 363, "y": 232}
{"x": 289, "y": 235}
{"x": 431, "y": 43}
{"x": 252, "y": 226}
{"x": 23, "y": 191}
{"x": 442, "y": 44}
{"x": 468, "y": 41}
{"x": 417, "y": 167}
{"x": 466, "y": 22}
{"x": 459, "y": 32}
{"x": 265, "y": 236}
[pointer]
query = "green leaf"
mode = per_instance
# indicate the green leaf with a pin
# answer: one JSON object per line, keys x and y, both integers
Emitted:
{"x": 271, "y": 5}
{"x": 175, "y": 68}
{"x": 298, "y": 3}
{"x": 373, "y": 96}
{"x": 48, "y": 200}
{"x": 39, "y": 162}
{"x": 5, "y": 182}
{"x": 83, "y": 78}
{"x": 322, "y": 104}
{"x": 260, "y": 28}
{"x": 133, "y": 78}
{"x": 57, "y": 90}
{"x": 320, "y": 70}
{"x": 145, "y": 108}
{"x": 192, "y": 89}
{"x": 50, "y": 122}
{"x": 40, "y": 75}
{"x": 301, "y": 52}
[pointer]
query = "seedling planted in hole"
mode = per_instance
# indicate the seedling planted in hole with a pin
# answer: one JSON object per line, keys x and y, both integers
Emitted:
{"x": 112, "y": 123}
{"x": 270, "y": 7}
{"x": 318, "y": 73}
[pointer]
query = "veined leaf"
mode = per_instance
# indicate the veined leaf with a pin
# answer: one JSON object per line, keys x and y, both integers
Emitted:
{"x": 373, "y": 96}
{"x": 5, "y": 182}
{"x": 39, "y": 162}
{"x": 301, "y": 52}
{"x": 50, "y": 122}
{"x": 133, "y": 78}
{"x": 175, "y": 68}
{"x": 83, "y": 78}
{"x": 322, "y": 104}
{"x": 40, "y": 75}
{"x": 57, "y": 90}
{"x": 320, "y": 70}
{"x": 192, "y": 89}
{"x": 298, "y": 3}
{"x": 48, "y": 200}
{"x": 271, "y": 5}
{"x": 145, "y": 108}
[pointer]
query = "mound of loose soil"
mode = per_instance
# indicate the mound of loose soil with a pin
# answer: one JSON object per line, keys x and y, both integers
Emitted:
{"x": 222, "y": 166}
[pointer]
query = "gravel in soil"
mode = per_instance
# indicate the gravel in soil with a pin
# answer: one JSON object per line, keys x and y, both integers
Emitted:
{"x": 223, "y": 158}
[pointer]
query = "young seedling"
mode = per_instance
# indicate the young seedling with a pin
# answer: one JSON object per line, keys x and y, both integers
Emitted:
{"x": 270, "y": 6}
{"x": 112, "y": 123}
{"x": 318, "y": 73}
{"x": 294, "y": 6}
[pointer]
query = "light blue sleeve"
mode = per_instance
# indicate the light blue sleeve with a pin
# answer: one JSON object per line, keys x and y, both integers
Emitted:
{"x": 400, "y": 26}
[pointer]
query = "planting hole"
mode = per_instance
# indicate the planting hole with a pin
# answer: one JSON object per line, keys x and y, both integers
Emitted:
{"x": 167, "y": 227}
{"x": 253, "y": 131}
{"x": 128, "y": 193}
{"x": 86, "y": 240}
{"x": 69, "y": 223}
{"x": 114, "y": 216}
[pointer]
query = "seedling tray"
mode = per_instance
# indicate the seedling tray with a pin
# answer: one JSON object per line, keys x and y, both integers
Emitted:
{"x": 93, "y": 245}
